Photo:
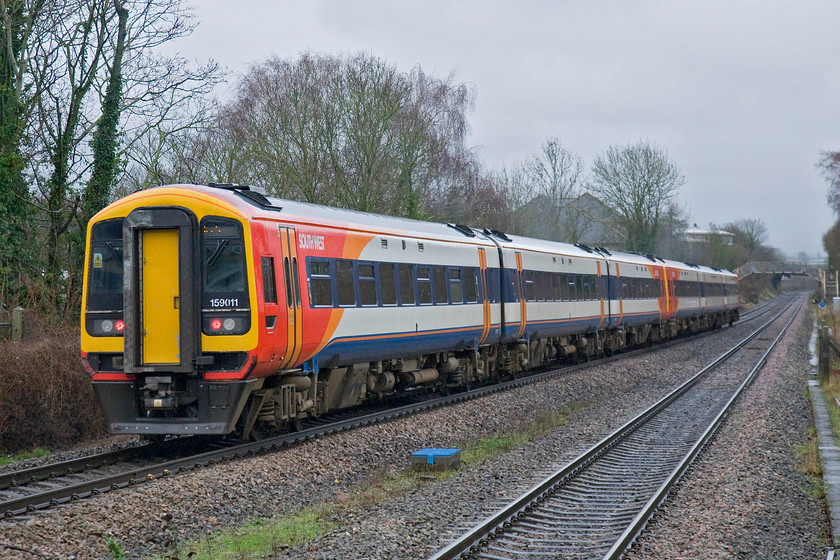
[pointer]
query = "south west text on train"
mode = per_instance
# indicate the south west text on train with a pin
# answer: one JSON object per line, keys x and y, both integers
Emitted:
{"x": 209, "y": 309}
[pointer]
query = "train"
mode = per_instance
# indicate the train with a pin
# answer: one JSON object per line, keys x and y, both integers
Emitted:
{"x": 215, "y": 309}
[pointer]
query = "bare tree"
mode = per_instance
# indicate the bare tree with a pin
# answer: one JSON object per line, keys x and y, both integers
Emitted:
{"x": 555, "y": 173}
{"x": 673, "y": 222}
{"x": 163, "y": 96}
{"x": 182, "y": 144}
{"x": 20, "y": 30}
{"x": 476, "y": 198}
{"x": 105, "y": 162}
{"x": 639, "y": 181}
{"x": 831, "y": 244}
{"x": 349, "y": 131}
{"x": 70, "y": 58}
{"x": 514, "y": 186}
{"x": 280, "y": 121}
{"x": 750, "y": 241}
{"x": 433, "y": 128}
{"x": 752, "y": 233}
{"x": 829, "y": 164}
{"x": 99, "y": 89}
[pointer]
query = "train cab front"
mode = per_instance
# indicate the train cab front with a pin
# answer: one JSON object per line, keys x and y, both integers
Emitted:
{"x": 167, "y": 320}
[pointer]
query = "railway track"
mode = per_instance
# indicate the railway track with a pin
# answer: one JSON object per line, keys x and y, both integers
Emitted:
{"x": 596, "y": 505}
{"x": 26, "y": 491}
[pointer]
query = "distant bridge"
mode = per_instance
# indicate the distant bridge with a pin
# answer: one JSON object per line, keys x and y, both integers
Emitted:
{"x": 783, "y": 268}
{"x": 828, "y": 279}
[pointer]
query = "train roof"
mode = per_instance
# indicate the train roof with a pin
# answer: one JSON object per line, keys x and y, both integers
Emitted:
{"x": 545, "y": 246}
{"x": 253, "y": 203}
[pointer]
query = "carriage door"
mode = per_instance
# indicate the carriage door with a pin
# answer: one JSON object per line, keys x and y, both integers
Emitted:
{"x": 291, "y": 288}
{"x": 160, "y": 319}
{"x": 523, "y": 315}
{"x": 485, "y": 297}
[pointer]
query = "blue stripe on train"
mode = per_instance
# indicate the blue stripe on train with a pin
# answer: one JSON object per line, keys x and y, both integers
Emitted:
{"x": 386, "y": 346}
{"x": 549, "y": 328}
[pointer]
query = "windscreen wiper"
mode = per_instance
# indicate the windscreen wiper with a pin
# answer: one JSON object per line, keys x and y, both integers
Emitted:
{"x": 220, "y": 246}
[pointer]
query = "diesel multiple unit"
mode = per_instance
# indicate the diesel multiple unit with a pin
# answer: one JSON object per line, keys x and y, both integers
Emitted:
{"x": 209, "y": 309}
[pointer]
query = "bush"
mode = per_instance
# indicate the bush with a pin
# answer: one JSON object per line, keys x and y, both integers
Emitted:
{"x": 46, "y": 399}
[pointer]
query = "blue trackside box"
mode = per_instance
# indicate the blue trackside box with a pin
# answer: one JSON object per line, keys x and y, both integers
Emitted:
{"x": 436, "y": 459}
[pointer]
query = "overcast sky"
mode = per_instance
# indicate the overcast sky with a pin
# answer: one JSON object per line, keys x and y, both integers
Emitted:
{"x": 743, "y": 95}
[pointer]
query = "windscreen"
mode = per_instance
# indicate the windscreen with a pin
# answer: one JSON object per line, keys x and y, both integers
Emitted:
{"x": 223, "y": 265}
{"x": 105, "y": 277}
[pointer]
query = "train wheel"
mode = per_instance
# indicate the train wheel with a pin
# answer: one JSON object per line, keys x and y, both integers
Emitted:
{"x": 296, "y": 424}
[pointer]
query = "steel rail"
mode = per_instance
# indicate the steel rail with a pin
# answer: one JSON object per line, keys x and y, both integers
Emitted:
{"x": 40, "y": 473}
{"x": 638, "y": 524}
{"x": 53, "y": 496}
{"x": 495, "y": 525}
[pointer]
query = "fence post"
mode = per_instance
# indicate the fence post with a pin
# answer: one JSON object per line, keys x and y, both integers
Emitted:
{"x": 17, "y": 324}
{"x": 824, "y": 356}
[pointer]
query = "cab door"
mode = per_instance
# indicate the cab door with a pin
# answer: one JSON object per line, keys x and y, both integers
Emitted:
{"x": 160, "y": 315}
{"x": 161, "y": 321}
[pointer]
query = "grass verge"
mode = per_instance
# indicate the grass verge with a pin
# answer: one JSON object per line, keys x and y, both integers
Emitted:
{"x": 831, "y": 390}
{"x": 37, "y": 452}
{"x": 809, "y": 464}
{"x": 265, "y": 538}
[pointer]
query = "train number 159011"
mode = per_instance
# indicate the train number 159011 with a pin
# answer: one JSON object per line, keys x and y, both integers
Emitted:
{"x": 224, "y": 302}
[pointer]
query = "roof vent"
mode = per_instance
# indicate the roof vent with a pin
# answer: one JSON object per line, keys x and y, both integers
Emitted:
{"x": 466, "y": 230}
{"x": 500, "y": 234}
{"x": 253, "y": 195}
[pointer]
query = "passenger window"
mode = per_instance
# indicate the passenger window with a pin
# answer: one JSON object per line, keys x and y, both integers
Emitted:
{"x": 406, "y": 284}
{"x": 440, "y": 285}
{"x": 296, "y": 277}
{"x": 367, "y": 284}
{"x": 469, "y": 285}
{"x": 545, "y": 293}
{"x": 320, "y": 284}
{"x": 555, "y": 287}
{"x": 269, "y": 284}
{"x": 456, "y": 291}
{"x": 492, "y": 279}
{"x": 387, "y": 284}
{"x": 584, "y": 283}
{"x": 287, "y": 277}
{"x": 530, "y": 293}
{"x": 344, "y": 282}
{"x": 573, "y": 284}
{"x": 424, "y": 285}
